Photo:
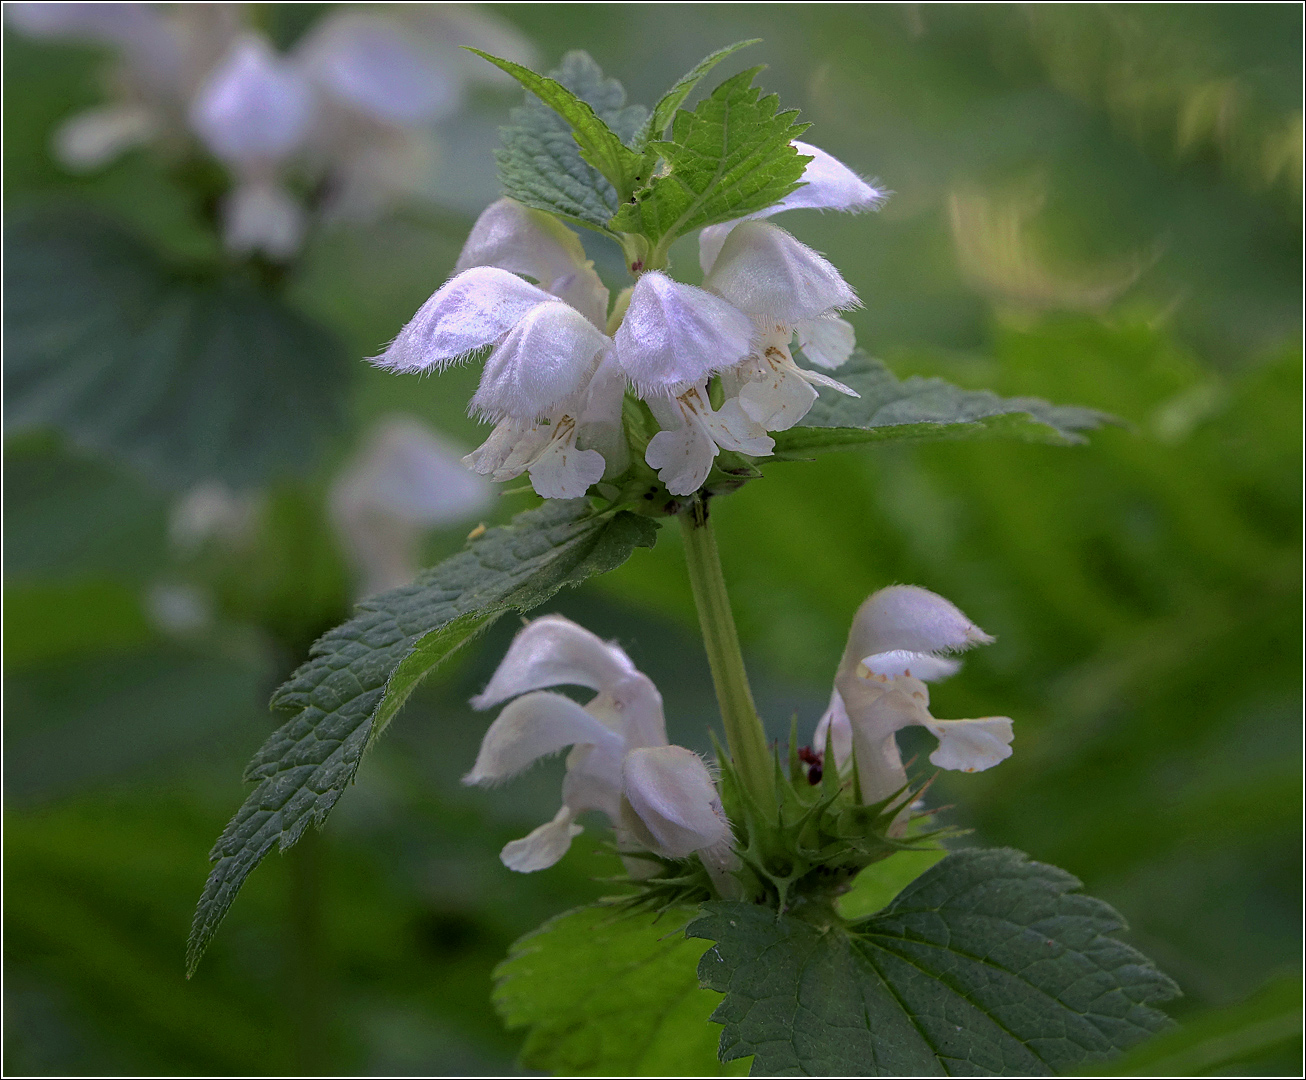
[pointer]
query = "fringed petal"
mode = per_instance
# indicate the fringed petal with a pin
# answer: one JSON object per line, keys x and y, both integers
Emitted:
{"x": 474, "y": 309}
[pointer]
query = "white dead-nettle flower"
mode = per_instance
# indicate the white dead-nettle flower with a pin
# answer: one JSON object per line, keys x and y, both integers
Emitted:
{"x": 404, "y": 481}
{"x": 673, "y": 338}
{"x": 658, "y": 797}
{"x": 515, "y": 237}
{"x": 551, "y": 386}
{"x": 211, "y": 512}
{"x": 786, "y": 288}
{"x": 350, "y": 110}
{"x": 895, "y": 646}
{"x": 254, "y": 113}
{"x": 537, "y": 381}
{"x": 162, "y": 55}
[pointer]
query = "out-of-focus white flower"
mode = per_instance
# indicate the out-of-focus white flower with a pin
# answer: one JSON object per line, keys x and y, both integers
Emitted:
{"x": 549, "y": 386}
{"x": 659, "y": 798}
{"x": 178, "y": 609}
{"x": 404, "y": 481}
{"x": 140, "y": 31}
{"x": 212, "y": 512}
{"x": 787, "y": 289}
{"x": 828, "y": 184}
{"x": 893, "y": 649}
{"x": 254, "y": 112}
{"x": 255, "y": 109}
{"x": 350, "y": 111}
{"x": 95, "y": 137}
{"x": 262, "y": 216}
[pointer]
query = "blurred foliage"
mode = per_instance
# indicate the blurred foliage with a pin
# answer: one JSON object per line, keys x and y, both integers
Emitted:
{"x": 1098, "y": 205}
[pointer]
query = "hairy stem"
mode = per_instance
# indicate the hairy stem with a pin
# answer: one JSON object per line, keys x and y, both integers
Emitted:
{"x": 744, "y": 734}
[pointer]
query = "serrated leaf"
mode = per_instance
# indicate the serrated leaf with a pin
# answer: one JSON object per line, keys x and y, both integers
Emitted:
{"x": 729, "y": 157}
{"x": 362, "y": 672}
{"x": 185, "y": 377}
{"x": 987, "y": 964}
{"x": 541, "y": 164}
{"x": 916, "y": 408}
{"x": 666, "y": 108}
{"x": 599, "y": 145}
{"x": 606, "y": 993}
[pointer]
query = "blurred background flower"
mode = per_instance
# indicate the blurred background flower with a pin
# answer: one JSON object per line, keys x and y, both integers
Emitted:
{"x": 1095, "y": 204}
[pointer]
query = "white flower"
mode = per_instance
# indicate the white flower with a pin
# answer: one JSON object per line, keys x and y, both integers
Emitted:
{"x": 384, "y": 80}
{"x": 254, "y": 112}
{"x": 403, "y": 481}
{"x": 357, "y": 97}
{"x": 787, "y": 289}
{"x": 674, "y": 336}
{"x": 893, "y": 649}
{"x": 658, "y": 797}
{"x": 828, "y": 184}
{"x": 162, "y": 55}
{"x": 672, "y": 339}
{"x": 514, "y": 237}
{"x": 536, "y": 386}
{"x": 372, "y": 64}
{"x": 255, "y": 109}
{"x": 692, "y": 435}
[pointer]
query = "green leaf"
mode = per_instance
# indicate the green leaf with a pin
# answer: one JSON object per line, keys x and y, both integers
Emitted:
{"x": 727, "y": 158}
{"x": 1231, "y": 1041}
{"x": 606, "y": 993}
{"x": 665, "y": 109}
{"x": 599, "y": 145}
{"x": 362, "y": 672}
{"x": 541, "y": 163}
{"x": 986, "y": 964}
{"x": 920, "y": 409}
{"x": 185, "y": 377}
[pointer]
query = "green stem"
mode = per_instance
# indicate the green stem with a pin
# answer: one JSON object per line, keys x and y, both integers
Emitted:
{"x": 744, "y": 733}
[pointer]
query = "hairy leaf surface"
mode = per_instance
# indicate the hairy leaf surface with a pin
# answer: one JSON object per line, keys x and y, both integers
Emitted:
{"x": 729, "y": 157}
{"x": 987, "y": 964}
{"x": 666, "y": 108}
{"x": 925, "y": 409}
{"x": 185, "y": 377}
{"x": 362, "y": 672}
{"x": 541, "y": 163}
{"x": 607, "y": 993}
{"x": 599, "y": 145}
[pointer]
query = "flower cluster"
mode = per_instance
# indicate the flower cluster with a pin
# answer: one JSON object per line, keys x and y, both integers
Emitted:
{"x": 560, "y": 365}
{"x": 661, "y": 798}
{"x": 343, "y": 119}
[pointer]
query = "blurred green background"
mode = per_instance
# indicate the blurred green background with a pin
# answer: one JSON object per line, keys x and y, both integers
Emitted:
{"x": 1098, "y": 205}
